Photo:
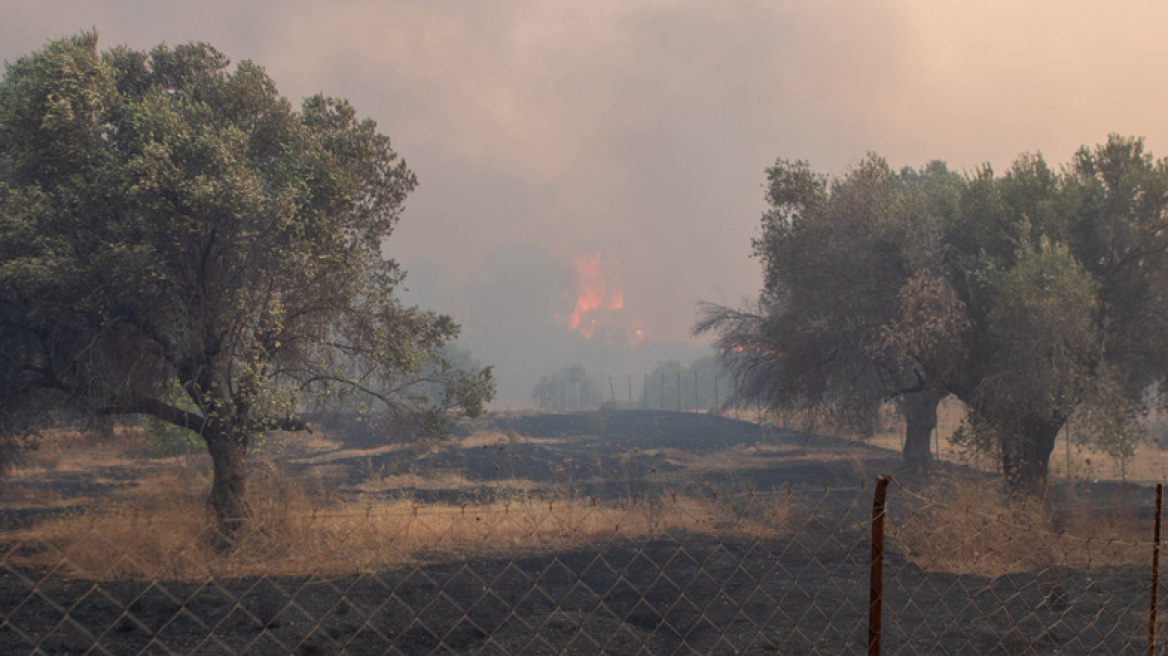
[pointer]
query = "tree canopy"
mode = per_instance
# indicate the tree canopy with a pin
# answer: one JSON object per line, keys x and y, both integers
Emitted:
{"x": 1035, "y": 297}
{"x": 168, "y": 222}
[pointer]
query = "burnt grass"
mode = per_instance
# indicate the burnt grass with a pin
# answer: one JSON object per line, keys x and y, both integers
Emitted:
{"x": 679, "y": 592}
{"x": 620, "y": 454}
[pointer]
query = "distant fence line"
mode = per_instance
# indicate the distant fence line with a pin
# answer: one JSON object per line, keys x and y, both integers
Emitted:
{"x": 663, "y": 390}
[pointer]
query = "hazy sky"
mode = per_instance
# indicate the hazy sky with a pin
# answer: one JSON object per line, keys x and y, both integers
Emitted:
{"x": 545, "y": 131}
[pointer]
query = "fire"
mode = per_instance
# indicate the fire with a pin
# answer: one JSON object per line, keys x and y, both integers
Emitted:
{"x": 636, "y": 333}
{"x": 597, "y": 296}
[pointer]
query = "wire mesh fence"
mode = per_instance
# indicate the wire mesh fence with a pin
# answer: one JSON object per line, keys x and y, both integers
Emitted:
{"x": 992, "y": 574}
{"x": 966, "y": 569}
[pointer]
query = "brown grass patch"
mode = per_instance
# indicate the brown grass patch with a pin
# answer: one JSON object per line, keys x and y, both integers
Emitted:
{"x": 480, "y": 439}
{"x": 338, "y": 455}
{"x": 439, "y": 480}
{"x": 963, "y": 526}
{"x": 66, "y": 451}
{"x": 20, "y": 496}
{"x": 165, "y": 533}
{"x": 759, "y": 457}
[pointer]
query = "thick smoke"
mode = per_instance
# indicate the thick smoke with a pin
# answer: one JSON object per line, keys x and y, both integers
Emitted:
{"x": 541, "y": 131}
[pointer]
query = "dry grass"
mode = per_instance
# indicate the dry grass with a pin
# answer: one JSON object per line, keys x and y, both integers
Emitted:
{"x": 439, "y": 480}
{"x": 157, "y": 527}
{"x": 481, "y": 439}
{"x": 963, "y": 526}
{"x": 1074, "y": 462}
{"x": 164, "y": 532}
{"x": 63, "y": 451}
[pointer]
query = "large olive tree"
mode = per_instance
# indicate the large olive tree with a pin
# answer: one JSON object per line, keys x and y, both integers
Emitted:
{"x": 1063, "y": 276}
{"x": 1035, "y": 296}
{"x": 169, "y": 222}
{"x": 854, "y": 310}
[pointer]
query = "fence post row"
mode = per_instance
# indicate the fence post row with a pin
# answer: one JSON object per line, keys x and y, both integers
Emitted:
{"x": 578, "y": 394}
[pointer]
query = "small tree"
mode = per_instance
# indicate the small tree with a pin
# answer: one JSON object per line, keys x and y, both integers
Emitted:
{"x": 167, "y": 221}
{"x": 569, "y": 388}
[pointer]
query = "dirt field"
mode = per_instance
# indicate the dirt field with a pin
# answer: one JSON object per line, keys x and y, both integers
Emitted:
{"x": 622, "y": 533}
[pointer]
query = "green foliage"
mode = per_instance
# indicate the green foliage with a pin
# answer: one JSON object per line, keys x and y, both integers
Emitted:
{"x": 1061, "y": 280}
{"x": 1035, "y": 296}
{"x": 458, "y": 386}
{"x": 836, "y": 255}
{"x": 976, "y": 434}
{"x": 1111, "y": 422}
{"x": 164, "y": 217}
{"x": 166, "y": 439}
{"x": 1041, "y": 340}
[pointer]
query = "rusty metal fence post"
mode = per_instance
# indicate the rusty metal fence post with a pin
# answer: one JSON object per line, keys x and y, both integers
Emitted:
{"x": 1155, "y": 571}
{"x": 876, "y": 589}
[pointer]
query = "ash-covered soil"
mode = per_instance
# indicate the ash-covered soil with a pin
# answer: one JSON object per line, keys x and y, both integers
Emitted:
{"x": 608, "y": 456}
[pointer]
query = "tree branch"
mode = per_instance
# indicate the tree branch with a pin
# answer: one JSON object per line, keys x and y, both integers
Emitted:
{"x": 156, "y": 408}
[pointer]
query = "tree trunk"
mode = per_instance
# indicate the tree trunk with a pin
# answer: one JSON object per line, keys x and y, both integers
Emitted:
{"x": 101, "y": 429}
{"x": 1026, "y": 455}
{"x": 228, "y": 500}
{"x": 920, "y": 415}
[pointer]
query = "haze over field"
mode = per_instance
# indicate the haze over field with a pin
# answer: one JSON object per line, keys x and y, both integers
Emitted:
{"x": 589, "y": 170}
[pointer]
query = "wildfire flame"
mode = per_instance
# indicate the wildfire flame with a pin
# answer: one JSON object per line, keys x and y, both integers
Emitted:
{"x": 597, "y": 296}
{"x": 636, "y": 333}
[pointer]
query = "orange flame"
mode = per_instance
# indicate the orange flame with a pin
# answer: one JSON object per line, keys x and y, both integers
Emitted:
{"x": 596, "y": 295}
{"x": 636, "y": 333}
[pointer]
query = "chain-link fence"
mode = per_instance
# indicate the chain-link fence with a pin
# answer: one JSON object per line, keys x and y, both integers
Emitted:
{"x": 965, "y": 570}
{"x": 972, "y": 571}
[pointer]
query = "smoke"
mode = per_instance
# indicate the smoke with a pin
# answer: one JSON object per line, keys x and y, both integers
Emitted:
{"x": 542, "y": 131}
{"x": 513, "y": 310}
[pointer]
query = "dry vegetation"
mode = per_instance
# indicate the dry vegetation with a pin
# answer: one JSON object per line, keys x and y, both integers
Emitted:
{"x": 168, "y": 537}
{"x": 1073, "y": 462}
{"x": 963, "y": 526}
{"x": 159, "y": 527}
{"x": 148, "y": 518}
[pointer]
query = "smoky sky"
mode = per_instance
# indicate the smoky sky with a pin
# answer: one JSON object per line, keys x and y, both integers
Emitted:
{"x": 541, "y": 131}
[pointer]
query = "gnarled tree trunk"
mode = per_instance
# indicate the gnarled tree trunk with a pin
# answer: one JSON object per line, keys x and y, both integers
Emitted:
{"x": 228, "y": 499}
{"x": 1026, "y": 455}
{"x": 920, "y": 415}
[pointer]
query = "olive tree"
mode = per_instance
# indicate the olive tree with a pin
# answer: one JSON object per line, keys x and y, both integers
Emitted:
{"x": 1035, "y": 296}
{"x": 855, "y": 310}
{"x": 168, "y": 222}
{"x": 1062, "y": 273}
